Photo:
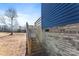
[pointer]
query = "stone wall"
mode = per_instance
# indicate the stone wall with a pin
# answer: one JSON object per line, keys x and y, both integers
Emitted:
{"x": 64, "y": 44}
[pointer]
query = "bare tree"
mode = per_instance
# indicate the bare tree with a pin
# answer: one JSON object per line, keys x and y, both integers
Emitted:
{"x": 4, "y": 23}
{"x": 2, "y": 20}
{"x": 11, "y": 13}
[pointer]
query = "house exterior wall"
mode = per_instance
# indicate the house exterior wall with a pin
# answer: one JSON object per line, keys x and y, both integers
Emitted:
{"x": 59, "y": 14}
{"x": 62, "y": 43}
{"x": 62, "y": 20}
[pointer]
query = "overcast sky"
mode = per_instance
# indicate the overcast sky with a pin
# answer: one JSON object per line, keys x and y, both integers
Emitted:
{"x": 27, "y": 12}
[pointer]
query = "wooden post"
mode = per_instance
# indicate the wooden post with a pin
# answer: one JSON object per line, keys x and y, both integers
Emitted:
{"x": 28, "y": 40}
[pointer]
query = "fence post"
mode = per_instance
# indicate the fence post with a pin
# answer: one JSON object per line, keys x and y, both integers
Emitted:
{"x": 28, "y": 40}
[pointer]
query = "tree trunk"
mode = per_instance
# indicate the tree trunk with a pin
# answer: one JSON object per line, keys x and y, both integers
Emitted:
{"x": 11, "y": 26}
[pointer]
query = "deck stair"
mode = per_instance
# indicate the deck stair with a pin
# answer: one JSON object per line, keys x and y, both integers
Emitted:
{"x": 35, "y": 48}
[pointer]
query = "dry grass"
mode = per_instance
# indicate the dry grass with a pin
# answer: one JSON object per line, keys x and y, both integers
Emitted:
{"x": 14, "y": 45}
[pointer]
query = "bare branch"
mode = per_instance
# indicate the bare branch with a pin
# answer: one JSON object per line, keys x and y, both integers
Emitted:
{"x": 11, "y": 13}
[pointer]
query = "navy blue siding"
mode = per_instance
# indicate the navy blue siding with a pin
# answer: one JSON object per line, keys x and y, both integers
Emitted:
{"x": 59, "y": 14}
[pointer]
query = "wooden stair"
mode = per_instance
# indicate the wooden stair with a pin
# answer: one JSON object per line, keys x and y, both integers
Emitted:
{"x": 35, "y": 48}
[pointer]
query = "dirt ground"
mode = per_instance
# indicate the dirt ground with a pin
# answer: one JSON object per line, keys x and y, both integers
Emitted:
{"x": 14, "y": 45}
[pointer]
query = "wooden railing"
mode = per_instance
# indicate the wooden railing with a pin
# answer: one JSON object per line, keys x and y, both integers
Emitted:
{"x": 28, "y": 41}
{"x": 31, "y": 43}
